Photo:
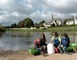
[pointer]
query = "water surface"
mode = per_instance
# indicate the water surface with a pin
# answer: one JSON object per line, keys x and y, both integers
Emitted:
{"x": 24, "y": 40}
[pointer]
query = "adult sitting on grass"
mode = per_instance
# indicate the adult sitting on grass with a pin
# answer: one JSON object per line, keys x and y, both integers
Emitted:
{"x": 56, "y": 41}
{"x": 65, "y": 42}
{"x": 40, "y": 44}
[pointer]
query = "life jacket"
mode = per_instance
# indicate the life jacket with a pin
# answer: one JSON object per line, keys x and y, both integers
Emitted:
{"x": 37, "y": 42}
{"x": 65, "y": 41}
{"x": 56, "y": 41}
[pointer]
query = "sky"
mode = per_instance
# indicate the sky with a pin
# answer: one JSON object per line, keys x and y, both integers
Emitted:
{"x": 13, "y": 11}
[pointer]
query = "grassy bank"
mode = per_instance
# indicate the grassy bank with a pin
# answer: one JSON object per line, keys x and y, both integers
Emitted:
{"x": 59, "y": 28}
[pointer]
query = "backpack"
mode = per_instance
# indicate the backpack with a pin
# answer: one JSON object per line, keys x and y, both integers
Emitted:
{"x": 56, "y": 41}
{"x": 37, "y": 42}
{"x": 64, "y": 41}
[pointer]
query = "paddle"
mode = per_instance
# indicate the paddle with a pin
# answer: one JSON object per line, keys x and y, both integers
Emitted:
{"x": 74, "y": 49}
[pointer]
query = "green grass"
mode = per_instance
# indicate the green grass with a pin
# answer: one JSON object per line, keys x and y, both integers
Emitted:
{"x": 52, "y": 29}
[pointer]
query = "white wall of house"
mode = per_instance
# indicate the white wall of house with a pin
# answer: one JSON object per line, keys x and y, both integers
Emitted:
{"x": 46, "y": 25}
{"x": 69, "y": 22}
{"x": 33, "y": 28}
{"x": 59, "y": 22}
{"x": 72, "y": 22}
{"x": 75, "y": 21}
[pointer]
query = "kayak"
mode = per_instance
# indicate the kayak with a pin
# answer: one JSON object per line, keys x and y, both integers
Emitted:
{"x": 71, "y": 46}
{"x": 34, "y": 51}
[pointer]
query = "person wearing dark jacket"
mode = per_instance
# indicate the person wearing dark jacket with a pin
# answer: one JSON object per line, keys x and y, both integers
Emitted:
{"x": 65, "y": 42}
{"x": 40, "y": 44}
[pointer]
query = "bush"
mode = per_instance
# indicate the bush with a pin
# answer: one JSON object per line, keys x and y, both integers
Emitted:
{"x": 2, "y": 29}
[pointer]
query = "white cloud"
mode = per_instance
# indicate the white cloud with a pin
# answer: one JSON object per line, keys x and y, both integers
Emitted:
{"x": 12, "y": 11}
{"x": 15, "y": 14}
{"x": 2, "y": 2}
{"x": 63, "y": 6}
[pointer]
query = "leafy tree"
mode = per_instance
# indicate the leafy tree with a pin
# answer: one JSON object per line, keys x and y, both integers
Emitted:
{"x": 21, "y": 24}
{"x": 14, "y": 25}
{"x": 37, "y": 25}
{"x": 40, "y": 24}
{"x": 28, "y": 22}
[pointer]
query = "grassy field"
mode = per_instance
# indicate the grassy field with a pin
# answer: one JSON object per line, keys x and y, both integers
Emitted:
{"x": 59, "y": 28}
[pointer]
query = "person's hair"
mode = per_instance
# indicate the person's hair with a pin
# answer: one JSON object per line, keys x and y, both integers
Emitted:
{"x": 56, "y": 34}
{"x": 44, "y": 38}
{"x": 65, "y": 35}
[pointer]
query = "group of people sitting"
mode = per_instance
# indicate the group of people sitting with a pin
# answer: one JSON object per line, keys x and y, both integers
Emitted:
{"x": 60, "y": 44}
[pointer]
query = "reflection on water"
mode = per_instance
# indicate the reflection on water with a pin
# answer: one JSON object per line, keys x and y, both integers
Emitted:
{"x": 24, "y": 40}
{"x": 1, "y": 34}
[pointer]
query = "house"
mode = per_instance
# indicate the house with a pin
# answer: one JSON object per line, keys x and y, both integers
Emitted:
{"x": 53, "y": 22}
{"x": 72, "y": 21}
{"x": 56, "y": 22}
{"x": 47, "y": 24}
{"x": 75, "y": 20}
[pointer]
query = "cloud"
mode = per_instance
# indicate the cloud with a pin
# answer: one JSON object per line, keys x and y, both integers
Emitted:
{"x": 16, "y": 6}
{"x": 62, "y": 6}
{"x": 12, "y": 11}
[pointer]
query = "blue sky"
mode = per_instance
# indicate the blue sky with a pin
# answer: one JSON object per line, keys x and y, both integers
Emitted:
{"x": 13, "y": 11}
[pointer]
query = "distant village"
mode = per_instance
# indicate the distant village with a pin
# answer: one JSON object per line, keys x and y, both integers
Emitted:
{"x": 59, "y": 22}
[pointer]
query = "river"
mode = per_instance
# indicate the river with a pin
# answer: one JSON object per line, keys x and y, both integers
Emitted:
{"x": 24, "y": 40}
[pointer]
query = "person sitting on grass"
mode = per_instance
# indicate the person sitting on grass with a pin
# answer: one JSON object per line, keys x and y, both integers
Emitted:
{"x": 65, "y": 42}
{"x": 56, "y": 41}
{"x": 40, "y": 44}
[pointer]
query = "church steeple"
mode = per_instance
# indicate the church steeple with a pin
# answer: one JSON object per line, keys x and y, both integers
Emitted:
{"x": 52, "y": 16}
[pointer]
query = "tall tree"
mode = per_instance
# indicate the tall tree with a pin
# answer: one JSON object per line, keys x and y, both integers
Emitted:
{"x": 14, "y": 25}
{"x": 28, "y": 22}
{"x": 42, "y": 22}
{"x": 21, "y": 24}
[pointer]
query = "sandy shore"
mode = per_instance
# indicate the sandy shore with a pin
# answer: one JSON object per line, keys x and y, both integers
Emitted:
{"x": 25, "y": 55}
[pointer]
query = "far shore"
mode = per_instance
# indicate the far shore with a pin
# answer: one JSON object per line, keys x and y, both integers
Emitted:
{"x": 52, "y": 29}
{"x": 25, "y": 55}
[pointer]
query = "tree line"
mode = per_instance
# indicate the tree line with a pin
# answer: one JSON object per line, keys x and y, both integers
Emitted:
{"x": 27, "y": 23}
